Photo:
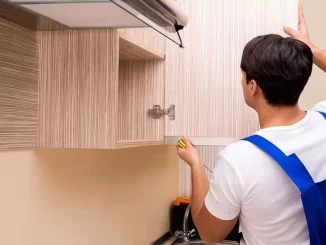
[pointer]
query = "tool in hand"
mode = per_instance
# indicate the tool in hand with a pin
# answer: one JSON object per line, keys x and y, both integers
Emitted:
{"x": 182, "y": 145}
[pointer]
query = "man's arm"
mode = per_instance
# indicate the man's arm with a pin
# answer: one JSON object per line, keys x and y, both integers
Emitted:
{"x": 211, "y": 229}
{"x": 303, "y": 35}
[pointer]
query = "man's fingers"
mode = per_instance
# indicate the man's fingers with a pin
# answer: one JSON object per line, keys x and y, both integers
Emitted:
{"x": 301, "y": 15}
{"x": 302, "y": 22}
{"x": 290, "y": 31}
{"x": 186, "y": 141}
{"x": 180, "y": 150}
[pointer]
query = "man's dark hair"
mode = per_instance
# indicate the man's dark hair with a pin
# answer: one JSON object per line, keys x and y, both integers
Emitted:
{"x": 280, "y": 66}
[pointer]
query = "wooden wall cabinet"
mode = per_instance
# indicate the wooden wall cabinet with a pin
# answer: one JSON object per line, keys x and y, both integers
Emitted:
{"x": 95, "y": 86}
{"x": 95, "y": 89}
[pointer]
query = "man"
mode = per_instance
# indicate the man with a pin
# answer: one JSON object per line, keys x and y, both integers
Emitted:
{"x": 248, "y": 184}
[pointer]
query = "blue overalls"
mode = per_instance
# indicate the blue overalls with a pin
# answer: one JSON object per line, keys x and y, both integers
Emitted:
{"x": 313, "y": 194}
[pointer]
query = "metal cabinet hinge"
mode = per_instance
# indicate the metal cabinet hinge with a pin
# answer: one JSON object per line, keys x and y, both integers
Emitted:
{"x": 157, "y": 112}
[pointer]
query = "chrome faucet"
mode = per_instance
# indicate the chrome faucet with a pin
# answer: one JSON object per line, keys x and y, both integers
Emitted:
{"x": 185, "y": 234}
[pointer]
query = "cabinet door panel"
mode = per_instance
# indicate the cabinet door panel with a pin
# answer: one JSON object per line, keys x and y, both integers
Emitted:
{"x": 78, "y": 89}
{"x": 204, "y": 79}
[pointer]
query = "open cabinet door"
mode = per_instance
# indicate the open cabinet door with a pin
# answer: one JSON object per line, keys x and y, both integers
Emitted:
{"x": 203, "y": 80}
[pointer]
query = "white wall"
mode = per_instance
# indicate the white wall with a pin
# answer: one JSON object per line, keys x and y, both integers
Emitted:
{"x": 315, "y": 17}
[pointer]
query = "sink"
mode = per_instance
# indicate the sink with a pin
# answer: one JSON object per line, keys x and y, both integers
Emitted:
{"x": 200, "y": 242}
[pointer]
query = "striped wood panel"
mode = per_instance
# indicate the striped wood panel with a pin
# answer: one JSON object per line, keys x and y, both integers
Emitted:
{"x": 204, "y": 79}
{"x": 78, "y": 88}
{"x": 148, "y": 37}
{"x": 209, "y": 156}
{"x": 141, "y": 85}
{"x": 129, "y": 49}
{"x": 18, "y": 82}
{"x": 18, "y": 15}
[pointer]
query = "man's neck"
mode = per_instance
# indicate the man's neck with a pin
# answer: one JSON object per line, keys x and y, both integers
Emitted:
{"x": 279, "y": 116}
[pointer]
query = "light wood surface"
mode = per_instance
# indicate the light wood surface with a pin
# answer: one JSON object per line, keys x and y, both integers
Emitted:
{"x": 132, "y": 144}
{"x": 202, "y": 141}
{"x": 78, "y": 88}
{"x": 130, "y": 49}
{"x": 141, "y": 85}
{"x": 147, "y": 36}
{"x": 18, "y": 86}
{"x": 204, "y": 79}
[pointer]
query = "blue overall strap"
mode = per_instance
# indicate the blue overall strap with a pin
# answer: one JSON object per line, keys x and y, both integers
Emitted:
{"x": 293, "y": 168}
{"x": 323, "y": 114}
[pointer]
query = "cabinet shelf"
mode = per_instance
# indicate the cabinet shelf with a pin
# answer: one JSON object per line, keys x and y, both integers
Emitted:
{"x": 129, "y": 49}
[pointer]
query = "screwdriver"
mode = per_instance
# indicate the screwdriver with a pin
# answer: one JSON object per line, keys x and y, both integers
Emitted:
{"x": 182, "y": 145}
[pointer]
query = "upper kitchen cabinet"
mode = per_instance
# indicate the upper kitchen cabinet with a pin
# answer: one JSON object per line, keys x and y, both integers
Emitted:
{"x": 107, "y": 88}
{"x": 95, "y": 87}
{"x": 97, "y": 84}
{"x": 203, "y": 80}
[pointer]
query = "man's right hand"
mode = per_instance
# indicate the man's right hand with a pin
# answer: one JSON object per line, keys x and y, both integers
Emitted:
{"x": 302, "y": 34}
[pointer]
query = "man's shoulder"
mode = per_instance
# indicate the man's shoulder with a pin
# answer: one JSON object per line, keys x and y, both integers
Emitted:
{"x": 241, "y": 151}
{"x": 321, "y": 106}
{"x": 238, "y": 146}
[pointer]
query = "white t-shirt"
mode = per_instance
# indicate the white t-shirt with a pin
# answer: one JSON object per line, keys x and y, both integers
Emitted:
{"x": 249, "y": 182}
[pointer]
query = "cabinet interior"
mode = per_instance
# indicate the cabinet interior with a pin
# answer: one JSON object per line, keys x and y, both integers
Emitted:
{"x": 140, "y": 86}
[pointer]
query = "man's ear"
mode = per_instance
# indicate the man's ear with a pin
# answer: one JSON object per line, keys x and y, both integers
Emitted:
{"x": 253, "y": 87}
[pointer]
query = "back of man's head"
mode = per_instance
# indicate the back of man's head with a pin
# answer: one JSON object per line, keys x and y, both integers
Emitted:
{"x": 280, "y": 66}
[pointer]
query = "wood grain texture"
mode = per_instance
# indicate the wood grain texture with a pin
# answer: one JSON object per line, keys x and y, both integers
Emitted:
{"x": 20, "y": 16}
{"x": 148, "y": 37}
{"x": 78, "y": 85}
{"x": 133, "y": 50}
{"x": 17, "y": 15}
{"x": 204, "y": 79}
{"x": 209, "y": 156}
{"x": 19, "y": 89}
{"x": 139, "y": 143}
{"x": 141, "y": 85}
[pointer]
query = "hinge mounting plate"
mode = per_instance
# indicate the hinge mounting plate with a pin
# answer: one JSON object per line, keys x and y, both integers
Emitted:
{"x": 157, "y": 112}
